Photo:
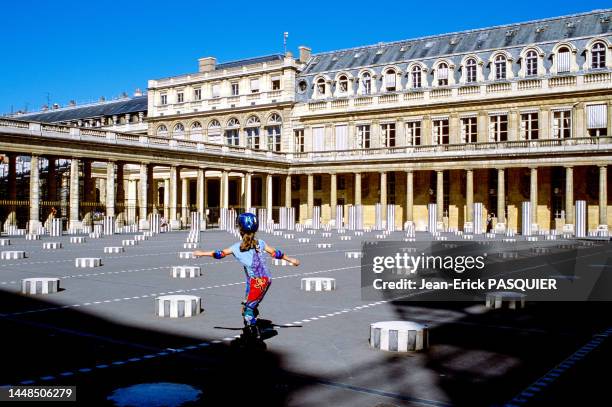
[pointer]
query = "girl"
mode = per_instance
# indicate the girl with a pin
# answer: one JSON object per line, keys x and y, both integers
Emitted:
{"x": 249, "y": 251}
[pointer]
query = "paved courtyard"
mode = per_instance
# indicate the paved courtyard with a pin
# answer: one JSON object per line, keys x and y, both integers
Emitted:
{"x": 100, "y": 332}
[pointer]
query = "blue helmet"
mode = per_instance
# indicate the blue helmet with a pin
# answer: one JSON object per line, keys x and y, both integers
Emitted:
{"x": 247, "y": 222}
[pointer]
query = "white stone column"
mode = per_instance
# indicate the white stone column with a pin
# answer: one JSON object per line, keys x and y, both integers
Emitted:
{"x": 12, "y": 190}
{"x": 501, "y": 199}
{"x": 143, "y": 192}
{"x": 603, "y": 196}
{"x": 167, "y": 198}
{"x": 383, "y": 196}
{"x": 34, "y": 194}
{"x": 74, "y": 193}
{"x": 224, "y": 198}
{"x": 569, "y": 196}
{"x": 440, "y": 195}
{"x": 310, "y": 197}
{"x": 288, "y": 191}
{"x": 533, "y": 195}
{"x": 357, "y": 188}
{"x": 333, "y": 195}
{"x": 469, "y": 195}
{"x": 410, "y": 196}
{"x": 248, "y": 189}
{"x": 110, "y": 188}
{"x": 174, "y": 174}
{"x": 269, "y": 196}
{"x": 184, "y": 200}
{"x": 201, "y": 184}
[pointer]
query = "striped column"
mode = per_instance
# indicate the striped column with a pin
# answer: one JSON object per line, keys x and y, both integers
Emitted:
{"x": 34, "y": 195}
{"x": 142, "y": 195}
{"x": 569, "y": 196}
{"x": 526, "y": 217}
{"x": 477, "y": 213}
{"x": 56, "y": 227}
{"x": 248, "y": 189}
{"x": 110, "y": 189}
{"x": 501, "y": 197}
{"x": 603, "y": 197}
{"x": 439, "y": 197}
{"x": 201, "y": 186}
{"x": 310, "y": 197}
{"x": 391, "y": 217}
{"x": 109, "y": 225}
{"x": 316, "y": 217}
{"x": 269, "y": 195}
{"x": 409, "y": 196}
{"x": 359, "y": 217}
{"x": 533, "y": 195}
{"x": 581, "y": 225}
{"x": 432, "y": 220}
{"x": 357, "y": 189}
{"x": 74, "y": 193}
{"x": 339, "y": 217}
{"x": 383, "y": 196}
{"x": 333, "y": 193}
{"x": 378, "y": 223}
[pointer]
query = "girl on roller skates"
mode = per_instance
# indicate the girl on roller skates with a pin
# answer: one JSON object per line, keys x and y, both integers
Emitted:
{"x": 250, "y": 253}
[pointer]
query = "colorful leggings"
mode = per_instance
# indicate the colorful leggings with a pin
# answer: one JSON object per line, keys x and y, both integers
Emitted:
{"x": 256, "y": 289}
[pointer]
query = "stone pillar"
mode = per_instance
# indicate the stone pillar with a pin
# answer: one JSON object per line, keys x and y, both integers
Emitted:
{"x": 569, "y": 196}
{"x": 201, "y": 185}
{"x": 151, "y": 191}
{"x": 110, "y": 188}
{"x": 184, "y": 200}
{"x": 383, "y": 196}
{"x": 440, "y": 195}
{"x": 533, "y": 195}
{"x": 12, "y": 190}
{"x": 89, "y": 193}
{"x": 357, "y": 188}
{"x": 269, "y": 196}
{"x": 120, "y": 195}
{"x": 224, "y": 198}
{"x": 74, "y": 193}
{"x": 469, "y": 195}
{"x": 410, "y": 196}
{"x": 51, "y": 181}
{"x": 143, "y": 192}
{"x": 501, "y": 198}
{"x": 248, "y": 189}
{"x": 167, "y": 198}
{"x": 173, "y": 204}
{"x": 34, "y": 195}
{"x": 288, "y": 191}
{"x": 310, "y": 197}
{"x": 333, "y": 195}
{"x": 603, "y": 196}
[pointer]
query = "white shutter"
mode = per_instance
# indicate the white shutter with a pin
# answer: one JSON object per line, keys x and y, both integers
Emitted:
{"x": 523, "y": 129}
{"x": 435, "y": 131}
{"x": 597, "y": 116}
{"x": 318, "y": 138}
{"x": 409, "y": 134}
{"x": 443, "y": 73}
{"x": 215, "y": 90}
{"x": 342, "y": 137}
{"x": 492, "y": 123}
{"x": 464, "y": 123}
{"x": 555, "y": 128}
{"x": 255, "y": 85}
{"x": 563, "y": 62}
{"x": 390, "y": 80}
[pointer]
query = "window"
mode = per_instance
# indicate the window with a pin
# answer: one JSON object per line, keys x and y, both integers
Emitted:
{"x": 470, "y": 70}
{"x": 214, "y": 132}
{"x": 343, "y": 84}
{"x": 162, "y": 130}
{"x": 295, "y": 183}
{"x": 391, "y": 188}
{"x": 317, "y": 182}
{"x": 197, "y": 94}
{"x": 235, "y": 89}
{"x": 440, "y": 131}
{"x": 342, "y": 137}
{"x": 298, "y": 137}
{"x": 341, "y": 181}
{"x": 196, "y": 127}
{"x": 232, "y": 134}
{"x": 366, "y": 83}
{"x": 276, "y": 83}
{"x": 562, "y": 124}
{"x": 252, "y": 132}
{"x": 163, "y": 99}
{"x": 531, "y": 63}
{"x": 180, "y": 97}
{"x": 388, "y": 134}
{"x": 598, "y": 56}
{"x": 498, "y": 127}
{"x": 442, "y": 74}
{"x": 321, "y": 87}
{"x": 500, "y": 67}
{"x": 363, "y": 135}
{"x": 255, "y": 85}
{"x": 302, "y": 86}
{"x": 597, "y": 120}
{"x": 216, "y": 90}
{"x": 274, "y": 138}
{"x": 563, "y": 60}
{"x": 469, "y": 130}
{"x": 413, "y": 132}
{"x": 390, "y": 78}
{"x": 529, "y": 126}
{"x": 416, "y": 77}
{"x": 318, "y": 139}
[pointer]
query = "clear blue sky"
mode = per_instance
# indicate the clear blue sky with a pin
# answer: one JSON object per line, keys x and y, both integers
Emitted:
{"x": 83, "y": 50}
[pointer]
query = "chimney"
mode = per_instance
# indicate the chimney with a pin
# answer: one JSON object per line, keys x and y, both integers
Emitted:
{"x": 56, "y": 106}
{"x": 102, "y": 99}
{"x": 304, "y": 53}
{"x": 72, "y": 103}
{"x": 137, "y": 92}
{"x": 207, "y": 64}
{"x": 44, "y": 108}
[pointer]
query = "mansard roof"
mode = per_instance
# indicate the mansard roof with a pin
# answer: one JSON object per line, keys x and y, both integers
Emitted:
{"x": 249, "y": 61}
{"x": 593, "y": 23}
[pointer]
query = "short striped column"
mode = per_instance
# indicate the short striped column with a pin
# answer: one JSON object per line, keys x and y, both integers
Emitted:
{"x": 326, "y": 234}
{"x": 303, "y": 240}
{"x": 109, "y": 225}
{"x": 154, "y": 223}
{"x": 186, "y": 271}
{"x": 56, "y": 227}
{"x": 345, "y": 237}
{"x": 505, "y": 299}
{"x": 399, "y": 336}
{"x": 432, "y": 220}
{"x": 478, "y": 211}
{"x": 31, "y": 236}
{"x": 281, "y": 262}
{"x": 178, "y": 306}
{"x": 318, "y": 284}
{"x": 289, "y": 236}
{"x": 580, "y": 218}
{"x": 316, "y": 217}
{"x": 339, "y": 217}
{"x": 189, "y": 245}
{"x": 40, "y": 285}
{"x": 378, "y": 221}
{"x": 5, "y": 242}
{"x": 85, "y": 262}
{"x": 391, "y": 217}
{"x": 324, "y": 245}
{"x": 12, "y": 255}
{"x": 353, "y": 255}
{"x": 140, "y": 238}
{"x": 526, "y": 218}
{"x": 128, "y": 242}
{"x": 52, "y": 245}
{"x": 186, "y": 255}
{"x": 114, "y": 249}
{"x": 77, "y": 239}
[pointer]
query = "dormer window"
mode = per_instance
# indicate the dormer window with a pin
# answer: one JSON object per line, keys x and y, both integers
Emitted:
{"x": 343, "y": 84}
{"x": 443, "y": 74}
{"x": 321, "y": 87}
{"x": 500, "y": 67}
{"x": 416, "y": 77}
{"x": 598, "y": 56}
{"x": 390, "y": 79}
{"x": 366, "y": 83}
{"x": 563, "y": 60}
{"x": 470, "y": 70}
{"x": 531, "y": 63}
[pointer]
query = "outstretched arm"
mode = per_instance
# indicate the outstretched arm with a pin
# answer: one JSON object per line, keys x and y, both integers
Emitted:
{"x": 277, "y": 254}
{"x": 217, "y": 254}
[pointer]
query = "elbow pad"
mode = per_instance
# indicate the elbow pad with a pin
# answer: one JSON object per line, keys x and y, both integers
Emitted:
{"x": 278, "y": 254}
{"x": 218, "y": 254}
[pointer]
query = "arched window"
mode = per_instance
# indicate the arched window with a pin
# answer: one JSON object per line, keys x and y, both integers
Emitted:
{"x": 252, "y": 132}
{"x": 178, "y": 130}
{"x": 390, "y": 80}
{"x": 470, "y": 70}
{"x": 162, "y": 130}
{"x": 196, "y": 131}
{"x": 275, "y": 119}
{"x": 214, "y": 124}
{"x": 232, "y": 133}
{"x": 233, "y": 122}
{"x": 196, "y": 126}
{"x": 214, "y": 131}
{"x": 531, "y": 63}
{"x": 273, "y": 129}
{"x": 443, "y": 74}
{"x": 563, "y": 60}
{"x": 500, "y": 67}
{"x": 366, "y": 83}
{"x": 343, "y": 84}
{"x": 416, "y": 77}
{"x": 598, "y": 56}
{"x": 321, "y": 87}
